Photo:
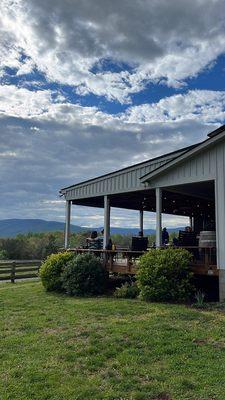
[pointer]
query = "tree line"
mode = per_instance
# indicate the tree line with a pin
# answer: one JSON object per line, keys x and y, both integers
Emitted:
{"x": 39, "y": 245}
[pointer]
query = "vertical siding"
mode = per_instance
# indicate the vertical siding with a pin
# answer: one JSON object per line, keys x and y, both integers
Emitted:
{"x": 120, "y": 181}
{"x": 202, "y": 166}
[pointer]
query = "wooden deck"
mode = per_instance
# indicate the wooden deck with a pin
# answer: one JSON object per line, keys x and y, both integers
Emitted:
{"x": 125, "y": 262}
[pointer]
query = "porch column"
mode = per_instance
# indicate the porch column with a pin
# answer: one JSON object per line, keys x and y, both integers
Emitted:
{"x": 106, "y": 221}
{"x": 141, "y": 221}
{"x": 158, "y": 195}
{"x": 220, "y": 225}
{"x": 191, "y": 221}
{"x": 67, "y": 227}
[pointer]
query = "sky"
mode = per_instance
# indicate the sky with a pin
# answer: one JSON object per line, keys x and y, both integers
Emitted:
{"x": 88, "y": 87}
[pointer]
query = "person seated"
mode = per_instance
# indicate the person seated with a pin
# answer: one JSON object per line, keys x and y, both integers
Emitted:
{"x": 101, "y": 239}
{"x": 175, "y": 241}
{"x": 93, "y": 242}
{"x": 165, "y": 237}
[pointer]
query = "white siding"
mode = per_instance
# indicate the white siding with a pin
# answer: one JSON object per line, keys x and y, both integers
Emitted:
{"x": 200, "y": 167}
{"x": 117, "y": 182}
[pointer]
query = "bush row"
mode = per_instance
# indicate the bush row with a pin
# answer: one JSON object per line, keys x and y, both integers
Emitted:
{"x": 77, "y": 275}
{"x": 163, "y": 275}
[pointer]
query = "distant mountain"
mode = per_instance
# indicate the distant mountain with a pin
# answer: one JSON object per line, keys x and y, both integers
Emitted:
{"x": 13, "y": 227}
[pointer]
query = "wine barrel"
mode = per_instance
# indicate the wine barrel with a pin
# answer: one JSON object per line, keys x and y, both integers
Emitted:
{"x": 207, "y": 239}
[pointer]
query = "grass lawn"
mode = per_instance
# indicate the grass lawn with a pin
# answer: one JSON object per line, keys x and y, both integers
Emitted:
{"x": 58, "y": 348}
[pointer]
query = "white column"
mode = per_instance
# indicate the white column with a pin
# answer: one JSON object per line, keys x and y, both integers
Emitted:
{"x": 106, "y": 221}
{"x": 220, "y": 227}
{"x": 141, "y": 221}
{"x": 158, "y": 195}
{"x": 67, "y": 225}
{"x": 191, "y": 221}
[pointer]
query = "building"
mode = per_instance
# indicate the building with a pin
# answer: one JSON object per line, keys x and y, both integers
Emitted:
{"x": 190, "y": 182}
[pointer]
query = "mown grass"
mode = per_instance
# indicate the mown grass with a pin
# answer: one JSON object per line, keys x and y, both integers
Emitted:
{"x": 58, "y": 348}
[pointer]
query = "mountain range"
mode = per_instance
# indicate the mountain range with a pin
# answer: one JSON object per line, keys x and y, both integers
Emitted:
{"x": 13, "y": 227}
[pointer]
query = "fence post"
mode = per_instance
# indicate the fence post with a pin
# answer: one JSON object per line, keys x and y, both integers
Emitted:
{"x": 13, "y": 272}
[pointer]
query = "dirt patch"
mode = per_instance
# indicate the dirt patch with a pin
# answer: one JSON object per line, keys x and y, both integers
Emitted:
{"x": 200, "y": 342}
{"x": 163, "y": 396}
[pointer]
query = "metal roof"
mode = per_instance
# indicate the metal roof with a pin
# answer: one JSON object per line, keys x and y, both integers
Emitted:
{"x": 128, "y": 178}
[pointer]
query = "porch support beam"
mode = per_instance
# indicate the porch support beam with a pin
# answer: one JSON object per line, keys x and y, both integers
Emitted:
{"x": 67, "y": 224}
{"x": 191, "y": 221}
{"x": 158, "y": 194}
{"x": 141, "y": 216}
{"x": 220, "y": 222}
{"x": 106, "y": 221}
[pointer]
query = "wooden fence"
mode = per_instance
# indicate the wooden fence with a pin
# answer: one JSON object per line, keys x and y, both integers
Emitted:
{"x": 19, "y": 269}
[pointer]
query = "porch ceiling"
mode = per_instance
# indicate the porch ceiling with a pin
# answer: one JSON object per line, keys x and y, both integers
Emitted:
{"x": 192, "y": 199}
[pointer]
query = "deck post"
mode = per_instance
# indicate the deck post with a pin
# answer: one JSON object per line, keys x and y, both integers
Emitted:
{"x": 67, "y": 225}
{"x": 158, "y": 195}
{"x": 141, "y": 221}
{"x": 106, "y": 221}
{"x": 191, "y": 222}
{"x": 220, "y": 225}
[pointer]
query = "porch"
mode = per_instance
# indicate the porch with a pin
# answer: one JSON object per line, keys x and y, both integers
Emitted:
{"x": 125, "y": 262}
{"x": 195, "y": 201}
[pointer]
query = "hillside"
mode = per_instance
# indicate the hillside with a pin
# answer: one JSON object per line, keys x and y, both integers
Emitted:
{"x": 13, "y": 227}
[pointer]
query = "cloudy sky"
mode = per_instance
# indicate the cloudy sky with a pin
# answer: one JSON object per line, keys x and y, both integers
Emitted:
{"x": 90, "y": 86}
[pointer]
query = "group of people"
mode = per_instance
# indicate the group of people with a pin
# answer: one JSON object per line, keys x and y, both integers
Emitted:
{"x": 165, "y": 236}
{"x": 95, "y": 241}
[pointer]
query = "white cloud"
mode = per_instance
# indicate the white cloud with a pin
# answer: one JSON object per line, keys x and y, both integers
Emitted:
{"x": 58, "y": 144}
{"x": 205, "y": 105}
{"x": 159, "y": 41}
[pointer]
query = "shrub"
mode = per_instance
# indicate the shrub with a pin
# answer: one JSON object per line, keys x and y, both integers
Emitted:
{"x": 127, "y": 291}
{"x": 84, "y": 275}
{"x": 164, "y": 275}
{"x": 51, "y": 269}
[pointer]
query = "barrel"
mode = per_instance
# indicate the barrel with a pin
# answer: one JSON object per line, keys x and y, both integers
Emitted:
{"x": 207, "y": 239}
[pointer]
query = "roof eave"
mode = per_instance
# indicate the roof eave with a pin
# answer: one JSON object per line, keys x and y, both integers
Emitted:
{"x": 198, "y": 148}
{"x": 63, "y": 191}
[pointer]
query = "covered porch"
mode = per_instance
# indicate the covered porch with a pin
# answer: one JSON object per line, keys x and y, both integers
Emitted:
{"x": 194, "y": 200}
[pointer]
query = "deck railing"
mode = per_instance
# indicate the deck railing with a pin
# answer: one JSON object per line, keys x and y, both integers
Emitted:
{"x": 11, "y": 270}
{"x": 125, "y": 261}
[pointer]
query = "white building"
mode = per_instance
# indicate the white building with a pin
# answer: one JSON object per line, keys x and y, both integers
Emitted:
{"x": 190, "y": 182}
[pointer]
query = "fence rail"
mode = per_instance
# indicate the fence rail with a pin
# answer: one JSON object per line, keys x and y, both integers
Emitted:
{"x": 11, "y": 270}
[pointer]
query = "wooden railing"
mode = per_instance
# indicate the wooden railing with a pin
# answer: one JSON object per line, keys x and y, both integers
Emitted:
{"x": 19, "y": 269}
{"x": 126, "y": 262}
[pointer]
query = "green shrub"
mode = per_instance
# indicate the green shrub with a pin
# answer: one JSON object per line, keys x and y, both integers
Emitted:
{"x": 51, "y": 269}
{"x": 164, "y": 275}
{"x": 127, "y": 291}
{"x": 84, "y": 275}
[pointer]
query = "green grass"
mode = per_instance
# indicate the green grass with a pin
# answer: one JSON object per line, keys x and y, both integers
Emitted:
{"x": 59, "y": 348}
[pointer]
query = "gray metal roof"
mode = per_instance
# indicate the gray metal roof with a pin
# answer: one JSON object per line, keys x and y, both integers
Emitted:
{"x": 125, "y": 180}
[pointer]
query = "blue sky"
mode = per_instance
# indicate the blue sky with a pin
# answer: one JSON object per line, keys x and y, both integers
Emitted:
{"x": 87, "y": 88}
